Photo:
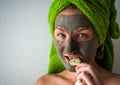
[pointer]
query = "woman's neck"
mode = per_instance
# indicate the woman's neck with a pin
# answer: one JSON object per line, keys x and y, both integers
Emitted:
{"x": 104, "y": 73}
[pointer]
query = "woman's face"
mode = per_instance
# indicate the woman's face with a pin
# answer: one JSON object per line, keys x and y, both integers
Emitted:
{"x": 74, "y": 36}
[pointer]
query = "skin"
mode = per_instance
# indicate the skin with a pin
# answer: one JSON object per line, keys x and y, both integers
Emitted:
{"x": 87, "y": 72}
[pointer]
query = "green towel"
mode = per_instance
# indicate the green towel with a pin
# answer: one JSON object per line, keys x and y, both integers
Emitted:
{"x": 102, "y": 14}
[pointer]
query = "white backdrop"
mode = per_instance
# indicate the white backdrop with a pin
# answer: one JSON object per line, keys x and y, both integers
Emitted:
{"x": 25, "y": 41}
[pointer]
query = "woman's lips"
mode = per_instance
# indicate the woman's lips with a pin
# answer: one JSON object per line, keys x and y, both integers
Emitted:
{"x": 67, "y": 57}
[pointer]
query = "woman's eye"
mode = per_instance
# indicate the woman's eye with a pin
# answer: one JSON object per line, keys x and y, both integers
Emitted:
{"x": 82, "y": 37}
{"x": 61, "y": 35}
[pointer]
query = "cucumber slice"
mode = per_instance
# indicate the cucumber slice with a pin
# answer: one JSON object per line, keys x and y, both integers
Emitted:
{"x": 74, "y": 61}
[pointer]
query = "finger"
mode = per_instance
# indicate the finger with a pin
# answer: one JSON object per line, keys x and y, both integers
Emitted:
{"x": 95, "y": 75}
{"x": 78, "y": 82}
{"x": 86, "y": 67}
{"x": 91, "y": 71}
{"x": 86, "y": 78}
{"x": 81, "y": 67}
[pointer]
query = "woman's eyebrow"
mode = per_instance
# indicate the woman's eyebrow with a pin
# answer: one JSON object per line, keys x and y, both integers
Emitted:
{"x": 60, "y": 28}
{"x": 84, "y": 28}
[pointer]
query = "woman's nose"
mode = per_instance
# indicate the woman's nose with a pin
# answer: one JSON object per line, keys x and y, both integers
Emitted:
{"x": 71, "y": 47}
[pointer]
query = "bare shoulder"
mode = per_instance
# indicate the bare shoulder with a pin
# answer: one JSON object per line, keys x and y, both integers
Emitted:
{"x": 52, "y": 79}
{"x": 114, "y": 80}
{"x": 44, "y": 79}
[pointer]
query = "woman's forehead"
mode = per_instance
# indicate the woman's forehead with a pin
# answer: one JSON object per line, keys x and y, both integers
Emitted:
{"x": 70, "y": 12}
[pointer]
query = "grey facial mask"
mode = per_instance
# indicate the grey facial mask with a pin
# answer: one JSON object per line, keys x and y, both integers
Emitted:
{"x": 86, "y": 49}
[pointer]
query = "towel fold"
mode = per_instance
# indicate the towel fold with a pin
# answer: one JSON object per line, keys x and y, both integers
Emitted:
{"x": 102, "y": 14}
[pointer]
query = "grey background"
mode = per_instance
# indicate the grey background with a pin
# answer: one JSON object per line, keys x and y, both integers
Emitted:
{"x": 25, "y": 41}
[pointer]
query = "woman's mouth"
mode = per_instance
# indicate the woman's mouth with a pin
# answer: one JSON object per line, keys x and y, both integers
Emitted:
{"x": 68, "y": 57}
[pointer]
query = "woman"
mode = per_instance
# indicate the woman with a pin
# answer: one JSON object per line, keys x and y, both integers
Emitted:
{"x": 84, "y": 34}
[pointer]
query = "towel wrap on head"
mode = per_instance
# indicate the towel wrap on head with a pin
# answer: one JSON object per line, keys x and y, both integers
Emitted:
{"x": 102, "y": 14}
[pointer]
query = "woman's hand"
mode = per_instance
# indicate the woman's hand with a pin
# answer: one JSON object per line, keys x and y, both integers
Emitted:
{"x": 86, "y": 74}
